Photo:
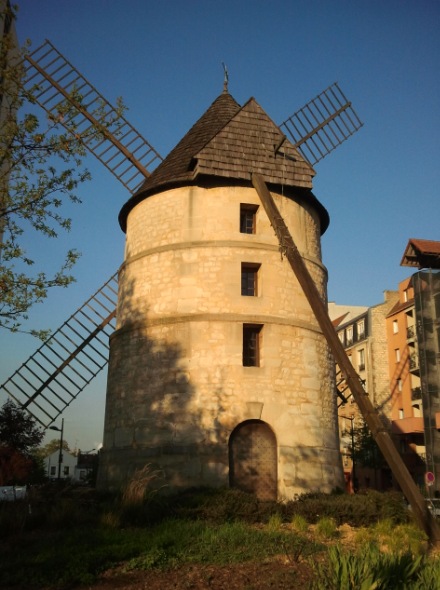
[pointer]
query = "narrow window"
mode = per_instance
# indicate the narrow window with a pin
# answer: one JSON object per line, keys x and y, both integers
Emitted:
{"x": 66, "y": 470}
{"x": 401, "y": 414}
{"x": 361, "y": 357}
{"x": 395, "y": 326}
{"x": 249, "y": 278}
{"x": 361, "y": 329}
{"x": 248, "y": 215}
{"x": 53, "y": 470}
{"x": 251, "y": 345}
{"x": 397, "y": 354}
{"x": 349, "y": 335}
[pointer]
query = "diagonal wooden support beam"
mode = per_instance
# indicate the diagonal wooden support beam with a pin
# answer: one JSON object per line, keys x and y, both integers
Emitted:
{"x": 423, "y": 517}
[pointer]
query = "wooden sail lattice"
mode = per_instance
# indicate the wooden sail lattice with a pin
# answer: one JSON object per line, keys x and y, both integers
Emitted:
{"x": 322, "y": 124}
{"x": 52, "y": 81}
{"x": 65, "y": 364}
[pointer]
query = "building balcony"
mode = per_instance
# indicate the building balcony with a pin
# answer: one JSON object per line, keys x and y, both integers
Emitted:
{"x": 416, "y": 393}
{"x": 410, "y": 332}
{"x": 414, "y": 364}
{"x": 407, "y": 426}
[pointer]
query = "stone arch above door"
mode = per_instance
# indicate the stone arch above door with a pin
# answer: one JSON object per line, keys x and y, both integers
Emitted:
{"x": 253, "y": 459}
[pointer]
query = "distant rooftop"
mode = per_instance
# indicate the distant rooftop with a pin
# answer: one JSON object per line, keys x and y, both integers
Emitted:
{"x": 341, "y": 314}
{"x": 421, "y": 254}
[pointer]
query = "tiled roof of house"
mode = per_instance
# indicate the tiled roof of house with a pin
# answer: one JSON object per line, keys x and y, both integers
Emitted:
{"x": 232, "y": 142}
{"x": 421, "y": 254}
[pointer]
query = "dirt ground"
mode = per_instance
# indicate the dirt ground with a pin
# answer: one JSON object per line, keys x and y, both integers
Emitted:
{"x": 279, "y": 573}
{"x": 274, "y": 575}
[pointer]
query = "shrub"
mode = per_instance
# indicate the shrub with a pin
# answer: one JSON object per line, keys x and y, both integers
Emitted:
{"x": 362, "y": 509}
{"x": 299, "y": 523}
{"x": 275, "y": 521}
{"x": 326, "y": 528}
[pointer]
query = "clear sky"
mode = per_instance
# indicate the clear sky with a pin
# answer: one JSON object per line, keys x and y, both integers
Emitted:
{"x": 164, "y": 58}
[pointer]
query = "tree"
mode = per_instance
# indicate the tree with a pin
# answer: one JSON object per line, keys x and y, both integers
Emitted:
{"x": 19, "y": 435}
{"x": 52, "y": 446}
{"x": 40, "y": 170}
{"x": 366, "y": 453}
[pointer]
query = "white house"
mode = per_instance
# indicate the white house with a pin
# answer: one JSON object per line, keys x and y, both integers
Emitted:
{"x": 67, "y": 466}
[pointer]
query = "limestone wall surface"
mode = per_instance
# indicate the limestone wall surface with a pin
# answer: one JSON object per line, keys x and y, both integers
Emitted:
{"x": 177, "y": 387}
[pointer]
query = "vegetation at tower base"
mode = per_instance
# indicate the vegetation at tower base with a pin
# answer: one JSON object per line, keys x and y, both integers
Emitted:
{"x": 213, "y": 538}
{"x": 41, "y": 167}
{"x": 19, "y": 436}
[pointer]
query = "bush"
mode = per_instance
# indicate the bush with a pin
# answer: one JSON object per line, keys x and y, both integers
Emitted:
{"x": 370, "y": 569}
{"x": 357, "y": 510}
{"x": 326, "y": 528}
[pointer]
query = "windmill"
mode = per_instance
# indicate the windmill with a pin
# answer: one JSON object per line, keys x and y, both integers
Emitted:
{"x": 52, "y": 377}
{"x": 315, "y": 130}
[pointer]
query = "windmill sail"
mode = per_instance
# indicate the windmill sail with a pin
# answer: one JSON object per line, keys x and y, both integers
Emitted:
{"x": 52, "y": 80}
{"x": 322, "y": 124}
{"x": 66, "y": 363}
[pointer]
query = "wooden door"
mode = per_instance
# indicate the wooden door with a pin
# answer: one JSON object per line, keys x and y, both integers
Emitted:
{"x": 253, "y": 459}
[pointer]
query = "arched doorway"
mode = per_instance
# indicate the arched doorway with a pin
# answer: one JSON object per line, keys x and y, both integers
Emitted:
{"x": 253, "y": 459}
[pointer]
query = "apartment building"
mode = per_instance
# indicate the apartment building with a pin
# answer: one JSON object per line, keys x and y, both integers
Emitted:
{"x": 362, "y": 331}
{"x": 405, "y": 384}
{"x": 423, "y": 362}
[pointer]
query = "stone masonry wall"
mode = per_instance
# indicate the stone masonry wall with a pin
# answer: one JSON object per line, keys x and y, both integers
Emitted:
{"x": 177, "y": 386}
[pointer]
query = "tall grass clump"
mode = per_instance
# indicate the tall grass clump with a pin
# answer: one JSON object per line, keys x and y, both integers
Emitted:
{"x": 140, "y": 502}
{"x": 371, "y": 569}
{"x": 139, "y": 485}
{"x": 275, "y": 521}
{"x": 299, "y": 523}
{"x": 326, "y": 528}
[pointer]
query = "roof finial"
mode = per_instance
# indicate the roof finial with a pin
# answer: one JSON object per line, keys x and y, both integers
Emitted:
{"x": 226, "y": 78}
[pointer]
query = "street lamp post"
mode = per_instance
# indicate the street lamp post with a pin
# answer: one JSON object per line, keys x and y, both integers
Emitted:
{"x": 60, "y": 453}
{"x": 353, "y": 464}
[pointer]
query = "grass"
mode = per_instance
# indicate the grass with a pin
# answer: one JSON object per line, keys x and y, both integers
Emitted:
{"x": 70, "y": 536}
{"x": 77, "y": 556}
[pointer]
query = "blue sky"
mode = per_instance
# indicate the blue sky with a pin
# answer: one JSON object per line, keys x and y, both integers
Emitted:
{"x": 164, "y": 58}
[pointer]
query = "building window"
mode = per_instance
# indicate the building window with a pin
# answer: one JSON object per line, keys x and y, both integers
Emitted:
{"x": 401, "y": 414}
{"x": 395, "y": 326}
{"x": 249, "y": 279}
{"x": 341, "y": 336}
{"x": 251, "y": 345}
{"x": 349, "y": 335}
{"x": 53, "y": 470}
{"x": 405, "y": 296}
{"x": 66, "y": 470}
{"x": 248, "y": 216}
{"x": 361, "y": 329}
{"x": 361, "y": 358}
{"x": 397, "y": 354}
{"x": 399, "y": 385}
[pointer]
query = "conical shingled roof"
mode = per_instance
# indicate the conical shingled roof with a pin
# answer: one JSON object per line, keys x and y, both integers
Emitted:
{"x": 230, "y": 141}
{"x": 252, "y": 143}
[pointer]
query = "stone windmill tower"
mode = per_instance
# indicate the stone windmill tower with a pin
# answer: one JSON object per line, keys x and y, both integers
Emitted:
{"x": 218, "y": 373}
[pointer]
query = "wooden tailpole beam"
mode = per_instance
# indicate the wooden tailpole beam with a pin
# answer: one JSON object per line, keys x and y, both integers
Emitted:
{"x": 422, "y": 515}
